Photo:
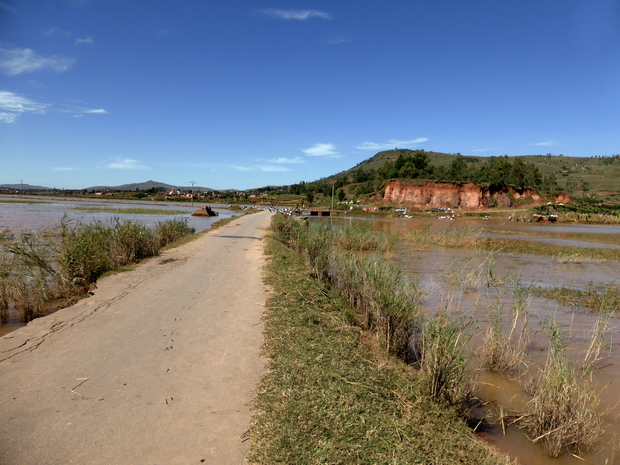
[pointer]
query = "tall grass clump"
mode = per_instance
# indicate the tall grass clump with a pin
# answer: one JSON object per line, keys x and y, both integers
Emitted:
{"x": 563, "y": 415}
{"x": 166, "y": 232}
{"x": 131, "y": 241}
{"x": 358, "y": 236}
{"x": 445, "y": 374}
{"x": 84, "y": 252}
{"x": 90, "y": 250}
{"x": 29, "y": 279}
{"x": 450, "y": 237}
{"x": 6, "y": 284}
{"x": 384, "y": 303}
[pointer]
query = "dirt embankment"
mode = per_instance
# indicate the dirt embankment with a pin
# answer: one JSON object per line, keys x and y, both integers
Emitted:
{"x": 466, "y": 195}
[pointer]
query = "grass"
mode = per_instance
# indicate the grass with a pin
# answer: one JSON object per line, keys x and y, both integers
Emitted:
{"x": 563, "y": 413}
{"x": 596, "y": 297}
{"x": 43, "y": 268}
{"x": 358, "y": 236}
{"x": 327, "y": 397}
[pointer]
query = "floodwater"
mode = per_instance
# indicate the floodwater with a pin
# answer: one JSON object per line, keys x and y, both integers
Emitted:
{"x": 47, "y": 213}
{"x": 470, "y": 283}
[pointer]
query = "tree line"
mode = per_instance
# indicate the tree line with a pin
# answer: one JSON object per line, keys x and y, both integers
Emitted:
{"x": 416, "y": 164}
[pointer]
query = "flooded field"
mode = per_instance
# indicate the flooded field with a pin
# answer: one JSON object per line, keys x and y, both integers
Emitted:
{"x": 44, "y": 213}
{"x": 475, "y": 286}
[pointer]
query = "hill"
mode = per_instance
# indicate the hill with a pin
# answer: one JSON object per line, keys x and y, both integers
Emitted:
{"x": 145, "y": 186}
{"x": 596, "y": 174}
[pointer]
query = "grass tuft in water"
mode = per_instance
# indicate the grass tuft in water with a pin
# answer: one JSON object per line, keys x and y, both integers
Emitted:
{"x": 563, "y": 415}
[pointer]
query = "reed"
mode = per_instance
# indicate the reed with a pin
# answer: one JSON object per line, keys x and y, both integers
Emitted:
{"x": 563, "y": 413}
{"x": 36, "y": 269}
{"x": 358, "y": 236}
{"x": 450, "y": 237}
{"x": 445, "y": 374}
{"x": 167, "y": 232}
{"x": 384, "y": 304}
{"x": 504, "y": 345}
{"x": 472, "y": 273}
{"x": 596, "y": 297}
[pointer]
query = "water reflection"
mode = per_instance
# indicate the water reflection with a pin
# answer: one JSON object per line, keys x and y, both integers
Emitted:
{"x": 19, "y": 217}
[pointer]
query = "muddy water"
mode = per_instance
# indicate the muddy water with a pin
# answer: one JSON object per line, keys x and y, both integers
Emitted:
{"x": 19, "y": 217}
{"x": 469, "y": 284}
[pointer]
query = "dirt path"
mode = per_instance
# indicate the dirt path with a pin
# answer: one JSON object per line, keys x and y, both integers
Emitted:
{"x": 158, "y": 367}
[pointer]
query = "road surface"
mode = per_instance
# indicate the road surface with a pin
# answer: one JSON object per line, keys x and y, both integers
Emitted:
{"x": 157, "y": 367}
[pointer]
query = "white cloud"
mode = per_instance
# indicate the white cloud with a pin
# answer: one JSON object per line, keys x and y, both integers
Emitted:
{"x": 547, "y": 143}
{"x": 297, "y": 14}
{"x": 241, "y": 168}
{"x": 162, "y": 32}
{"x": 272, "y": 169}
{"x": 286, "y": 160}
{"x": 81, "y": 111}
{"x": 485, "y": 150}
{"x": 87, "y": 40}
{"x": 12, "y": 105}
{"x": 392, "y": 143}
{"x": 63, "y": 169}
{"x": 7, "y": 117}
{"x": 321, "y": 150}
{"x": 126, "y": 164}
{"x": 58, "y": 30}
{"x": 24, "y": 60}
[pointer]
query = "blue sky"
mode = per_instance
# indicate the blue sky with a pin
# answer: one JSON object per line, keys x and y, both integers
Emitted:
{"x": 248, "y": 93}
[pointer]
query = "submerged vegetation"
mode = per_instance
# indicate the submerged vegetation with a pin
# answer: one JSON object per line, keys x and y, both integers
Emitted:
{"x": 38, "y": 271}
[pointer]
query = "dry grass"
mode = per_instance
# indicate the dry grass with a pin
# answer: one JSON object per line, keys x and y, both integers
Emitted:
{"x": 563, "y": 410}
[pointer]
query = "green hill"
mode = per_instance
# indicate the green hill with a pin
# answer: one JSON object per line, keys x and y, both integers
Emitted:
{"x": 592, "y": 175}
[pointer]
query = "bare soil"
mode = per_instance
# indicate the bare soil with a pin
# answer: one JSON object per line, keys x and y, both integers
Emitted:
{"x": 157, "y": 367}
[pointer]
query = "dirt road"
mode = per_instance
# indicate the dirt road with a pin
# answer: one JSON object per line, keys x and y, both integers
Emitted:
{"x": 158, "y": 367}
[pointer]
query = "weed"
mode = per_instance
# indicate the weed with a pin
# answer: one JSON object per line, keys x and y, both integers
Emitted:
{"x": 563, "y": 412}
{"x": 444, "y": 371}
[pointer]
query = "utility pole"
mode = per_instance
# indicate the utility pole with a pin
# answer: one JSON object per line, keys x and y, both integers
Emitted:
{"x": 333, "y": 184}
{"x": 21, "y": 188}
{"x": 192, "y": 183}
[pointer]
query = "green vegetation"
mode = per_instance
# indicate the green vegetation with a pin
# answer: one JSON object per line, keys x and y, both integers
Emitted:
{"x": 596, "y": 298}
{"x": 327, "y": 397}
{"x": 37, "y": 270}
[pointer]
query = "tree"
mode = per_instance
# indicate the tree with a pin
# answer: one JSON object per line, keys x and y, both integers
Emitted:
{"x": 310, "y": 197}
{"x": 341, "y": 195}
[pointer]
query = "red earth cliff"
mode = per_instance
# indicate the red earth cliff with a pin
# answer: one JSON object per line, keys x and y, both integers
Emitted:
{"x": 466, "y": 195}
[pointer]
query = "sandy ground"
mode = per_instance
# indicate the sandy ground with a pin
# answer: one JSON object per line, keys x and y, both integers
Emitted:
{"x": 158, "y": 367}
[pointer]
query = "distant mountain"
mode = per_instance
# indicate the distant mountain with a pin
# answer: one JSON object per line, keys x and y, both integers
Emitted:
{"x": 144, "y": 186}
{"x": 141, "y": 186}
{"x": 25, "y": 187}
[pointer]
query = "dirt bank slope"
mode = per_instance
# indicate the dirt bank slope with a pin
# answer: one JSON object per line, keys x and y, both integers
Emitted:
{"x": 157, "y": 367}
{"x": 466, "y": 195}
